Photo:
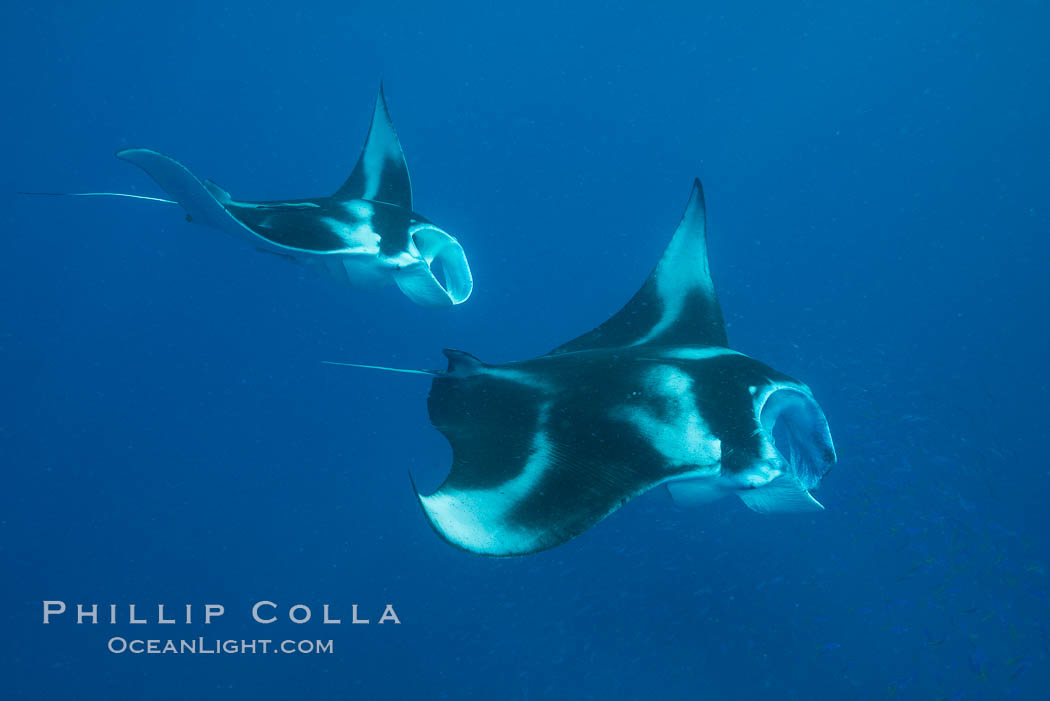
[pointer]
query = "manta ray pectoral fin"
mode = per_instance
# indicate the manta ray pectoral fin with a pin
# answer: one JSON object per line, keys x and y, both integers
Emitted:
{"x": 501, "y": 453}
{"x": 525, "y": 475}
{"x": 783, "y": 495}
{"x": 381, "y": 172}
{"x": 194, "y": 196}
{"x": 418, "y": 281}
{"x": 677, "y": 305}
{"x": 285, "y": 256}
{"x": 220, "y": 194}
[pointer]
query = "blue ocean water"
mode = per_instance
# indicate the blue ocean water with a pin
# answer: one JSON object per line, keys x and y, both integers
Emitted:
{"x": 876, "y": 178}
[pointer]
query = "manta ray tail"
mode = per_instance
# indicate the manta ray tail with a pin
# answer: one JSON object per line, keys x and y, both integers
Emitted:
{"x": 460, "y": 364}
{"x": 99, "y": 194}
{"x": 409, "y": 371}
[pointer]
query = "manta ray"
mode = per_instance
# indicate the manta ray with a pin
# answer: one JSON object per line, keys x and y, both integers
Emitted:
{"x": 545, "y": 448}
{"x": 365, "y": 234}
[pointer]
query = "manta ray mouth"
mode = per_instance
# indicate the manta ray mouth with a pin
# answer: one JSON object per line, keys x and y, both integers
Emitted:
{"x": 795, "y": 425}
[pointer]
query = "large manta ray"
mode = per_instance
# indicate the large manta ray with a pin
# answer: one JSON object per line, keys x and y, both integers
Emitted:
{"x": 364, "y": 234}
{"x": 545, "y": 448}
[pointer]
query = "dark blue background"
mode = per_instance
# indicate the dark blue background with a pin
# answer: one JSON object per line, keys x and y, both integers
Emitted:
{"x": 877, "y": 179}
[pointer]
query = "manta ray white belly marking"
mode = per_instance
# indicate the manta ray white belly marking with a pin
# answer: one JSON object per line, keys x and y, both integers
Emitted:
{"x": 520, "y": 377}
{"x": 676, "y": 429}
{"x": 695, "y": 353}
{"x": 359, "y": 238}
{"x": 359, "y": 209}
{"x": 366, "y": 233}
{"x": 543, "y": 449}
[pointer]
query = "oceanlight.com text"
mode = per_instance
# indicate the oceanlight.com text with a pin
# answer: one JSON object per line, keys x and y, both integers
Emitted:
{"x": 214, "y": 646}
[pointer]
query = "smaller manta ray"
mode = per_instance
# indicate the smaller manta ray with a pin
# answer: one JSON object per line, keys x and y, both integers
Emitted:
{"x": 545, "y": 448}
{"x": 364, "y": 234}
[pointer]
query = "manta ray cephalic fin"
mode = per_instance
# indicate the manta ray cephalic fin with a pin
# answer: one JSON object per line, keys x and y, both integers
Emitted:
{"x": 783, "y": 495}
{"x": 418, "y": 280}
